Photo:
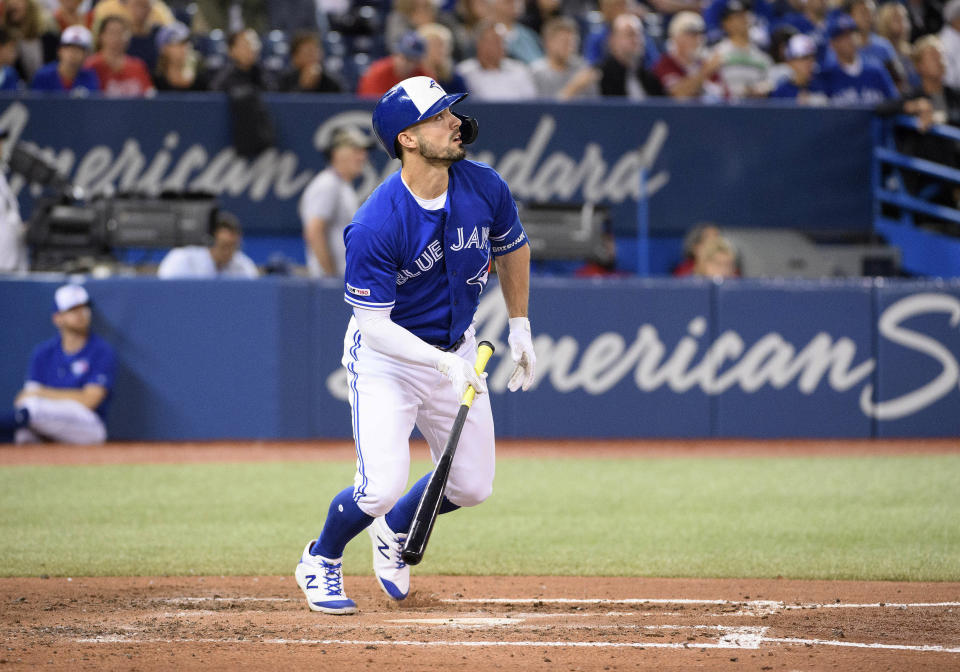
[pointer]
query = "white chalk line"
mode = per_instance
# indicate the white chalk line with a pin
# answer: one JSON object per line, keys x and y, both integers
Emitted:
{"x": 741, "y": 640}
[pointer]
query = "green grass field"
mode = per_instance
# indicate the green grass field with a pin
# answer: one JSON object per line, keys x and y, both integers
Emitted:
{"x": 892, "y": 518}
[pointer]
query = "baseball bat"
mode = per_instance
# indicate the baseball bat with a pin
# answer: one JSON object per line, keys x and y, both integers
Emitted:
{"x": 429, "y": 506}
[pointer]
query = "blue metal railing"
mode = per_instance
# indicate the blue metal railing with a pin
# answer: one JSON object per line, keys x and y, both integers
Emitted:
{"x": 923, "y": 251}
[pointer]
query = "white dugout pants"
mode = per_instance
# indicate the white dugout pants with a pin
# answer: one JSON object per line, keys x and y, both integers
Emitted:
{"x": 60, "y": 420}
{"x": 387, "y": 399}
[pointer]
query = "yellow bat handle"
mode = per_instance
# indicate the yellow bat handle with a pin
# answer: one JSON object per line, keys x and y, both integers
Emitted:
{"x": 484, "y": 352}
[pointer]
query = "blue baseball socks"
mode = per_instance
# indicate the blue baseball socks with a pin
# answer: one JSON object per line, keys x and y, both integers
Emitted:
{"x": 401, "y": 515}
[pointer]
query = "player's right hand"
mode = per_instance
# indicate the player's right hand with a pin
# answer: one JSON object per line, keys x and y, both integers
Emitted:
{"x": 461, "y": 374}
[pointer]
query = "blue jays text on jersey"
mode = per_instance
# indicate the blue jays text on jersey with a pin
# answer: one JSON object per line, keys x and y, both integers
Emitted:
{"x": 430, "y": 266}
{"x": 93, "y": 364}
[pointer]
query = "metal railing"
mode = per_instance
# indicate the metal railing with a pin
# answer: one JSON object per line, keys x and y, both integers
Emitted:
{"x": 924, "y": 251}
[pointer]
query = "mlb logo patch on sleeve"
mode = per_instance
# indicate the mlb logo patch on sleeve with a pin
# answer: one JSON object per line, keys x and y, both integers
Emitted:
{"x": 357, "y": 290}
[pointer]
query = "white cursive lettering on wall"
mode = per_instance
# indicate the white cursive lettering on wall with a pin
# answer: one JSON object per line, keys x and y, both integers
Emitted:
{"x": 890, "y": 327}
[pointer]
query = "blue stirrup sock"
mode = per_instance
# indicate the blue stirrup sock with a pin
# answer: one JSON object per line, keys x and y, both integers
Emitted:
{"x": 401, "y": 515}
{"x": 344, "y": 521}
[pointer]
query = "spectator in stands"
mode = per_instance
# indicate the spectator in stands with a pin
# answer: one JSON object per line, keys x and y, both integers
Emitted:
{"x": 950, "y": 39}
{"x": 562, "y": 74}
{"x": 926, "y": 17}
{"x": 493, "y": 76}
{"x": 438, "y": 59}
{"x": 802, "y": 83}
{"x": 763, "y": 22}
{"x": 35, "y": 32}
{"x": 682, "y": 71}
{"x": 469, "y": 14}
{"x": 330, "y": 201}
{"x": 177, "y": 63}
{"x": 811, "y": 20}
{"x": 13, "y": 247}
{"x": 69, "y": 13}
{"x": 404, "y": 61}
{"x": 307, "y": 72}
{"x": 159, "y": 15}
{"x": 408, "y": 15}
{"x": 853, "y": 80}
{"x": 744, "y": 67}
{"x": 521, "y": 43}
{"x": 894, "y": 25}
{"x": 929, "y": 63}
{"x": 537, "y": 13}
{"x": 233, "y": 17}
{"x": 119, "y": 74}
{"x": 143, "y": 32}
{"x": 67, "y": 72}
{"x": 9, "y": 77}
{"x": 222, "y": 259}
{"x": 944, "y": 109}
{"x": 595, "y": 44}
{"x": 243, "y": 67}
{"x": 873, "y": 47}
{"x": 622, "y": 71}
{"x": 716, "y": 259}
{"x": 69, "y": 380}
{"x": 699, "y": 236}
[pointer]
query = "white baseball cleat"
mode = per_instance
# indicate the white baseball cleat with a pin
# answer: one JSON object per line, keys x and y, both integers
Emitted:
{"x": 321, "y": 580}
{"x": 393, "y": 574}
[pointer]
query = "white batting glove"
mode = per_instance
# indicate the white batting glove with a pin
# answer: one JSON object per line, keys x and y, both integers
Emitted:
{"x": 461, "y": 374}
{"x": 521, "y": 350}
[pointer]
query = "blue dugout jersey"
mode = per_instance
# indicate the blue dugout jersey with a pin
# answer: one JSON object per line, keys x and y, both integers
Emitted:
{"x": 94, "y": 364}
{"x": 430, "y": 266}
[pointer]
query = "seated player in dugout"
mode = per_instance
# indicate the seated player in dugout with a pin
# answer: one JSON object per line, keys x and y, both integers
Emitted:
{"x": 69, "y": 382}
{"x": 418, "y": 255}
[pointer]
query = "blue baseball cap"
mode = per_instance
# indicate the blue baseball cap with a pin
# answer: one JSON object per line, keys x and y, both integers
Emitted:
{"x": 840, "y": 25}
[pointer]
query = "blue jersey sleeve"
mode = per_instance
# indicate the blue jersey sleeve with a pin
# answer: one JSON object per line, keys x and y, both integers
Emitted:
{"x": 103, "y": 366}
{"x": 506, "y": 233}
{"x": 370, "y": 276}
{"x": 35, "y": 368}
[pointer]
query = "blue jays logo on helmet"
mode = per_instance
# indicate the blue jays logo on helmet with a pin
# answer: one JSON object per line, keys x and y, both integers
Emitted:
{"x": 406, "y": 104}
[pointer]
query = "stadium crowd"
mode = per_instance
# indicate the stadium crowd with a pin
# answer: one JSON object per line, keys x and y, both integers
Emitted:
{"x": 812, "y": 51}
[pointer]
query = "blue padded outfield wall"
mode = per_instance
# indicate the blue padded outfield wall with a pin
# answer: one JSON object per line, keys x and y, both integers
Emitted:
{"x": 616, "y": 357}
{"x": 754, "y": 166}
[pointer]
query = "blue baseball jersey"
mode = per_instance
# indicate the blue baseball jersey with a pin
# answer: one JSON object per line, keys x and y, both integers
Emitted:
{"x": 94, "y": 364}
{"x": 48, "y": 79}
{"x": 867, "y": 85}
{"x": 430, "y": 266}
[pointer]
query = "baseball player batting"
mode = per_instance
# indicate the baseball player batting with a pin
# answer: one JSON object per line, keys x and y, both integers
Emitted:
{"x": 418, "y": 253}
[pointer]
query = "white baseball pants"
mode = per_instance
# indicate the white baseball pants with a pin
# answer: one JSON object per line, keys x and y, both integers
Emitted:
{"x": 60, "y": 420}
{"x": 387, "y": 398}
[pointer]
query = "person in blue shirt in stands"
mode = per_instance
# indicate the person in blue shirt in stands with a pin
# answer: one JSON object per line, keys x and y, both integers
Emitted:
{"x": 802, "y": 83}
{"x": 853, "y": 80}
{"x": 67, "y": 72}
{"x": 9, "y": 79}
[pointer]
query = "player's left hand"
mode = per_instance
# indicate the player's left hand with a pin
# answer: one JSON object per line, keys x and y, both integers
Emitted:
{"x": 521, "y": 350}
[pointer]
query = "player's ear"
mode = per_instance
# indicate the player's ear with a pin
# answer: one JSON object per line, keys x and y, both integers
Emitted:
{"x": 405, "y": 139}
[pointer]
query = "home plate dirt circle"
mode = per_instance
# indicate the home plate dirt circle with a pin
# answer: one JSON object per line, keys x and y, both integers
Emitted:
{"x": 482, "y": 623}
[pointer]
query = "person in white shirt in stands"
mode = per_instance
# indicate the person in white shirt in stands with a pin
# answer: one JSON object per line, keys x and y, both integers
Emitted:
{"x": 493, "y": 76}
{"x": 950, "y": 39}
{"x": 222, "y": 259}
{"x": 330, "y": 201}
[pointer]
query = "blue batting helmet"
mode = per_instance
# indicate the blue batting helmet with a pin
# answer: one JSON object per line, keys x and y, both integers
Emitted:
{"x": 411, "y": 101}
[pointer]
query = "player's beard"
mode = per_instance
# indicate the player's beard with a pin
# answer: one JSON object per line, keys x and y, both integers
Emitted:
{"x": 447, "y": 155}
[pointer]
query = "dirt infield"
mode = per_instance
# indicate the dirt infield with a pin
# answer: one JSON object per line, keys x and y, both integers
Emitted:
{"x": 477, "y": 623}
{"x": 480, "y": 623}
